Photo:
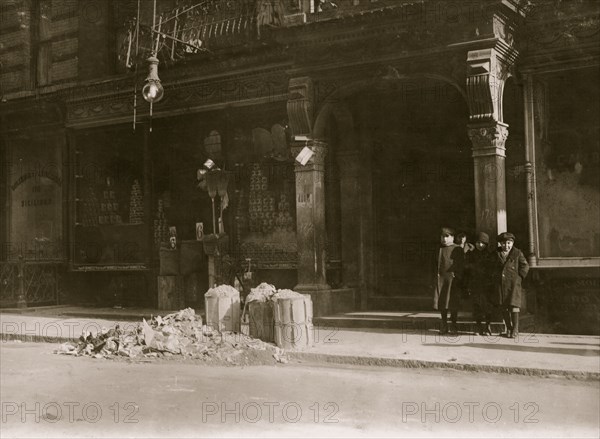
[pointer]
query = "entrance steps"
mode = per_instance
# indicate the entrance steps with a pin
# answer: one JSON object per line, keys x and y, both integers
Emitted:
{"x": 410, "y": 321}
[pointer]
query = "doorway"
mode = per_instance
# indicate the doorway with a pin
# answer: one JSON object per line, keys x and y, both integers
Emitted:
{"x": 422, "y": 174}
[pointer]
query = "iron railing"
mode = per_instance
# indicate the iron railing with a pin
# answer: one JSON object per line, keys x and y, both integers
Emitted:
{"x": 24, "y": 283}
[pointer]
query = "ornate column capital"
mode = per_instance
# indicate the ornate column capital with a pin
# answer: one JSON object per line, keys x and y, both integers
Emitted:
{"x": 300, "y": 105}
{"x": 487, "y": 71}
{"x": 488, "y": 139}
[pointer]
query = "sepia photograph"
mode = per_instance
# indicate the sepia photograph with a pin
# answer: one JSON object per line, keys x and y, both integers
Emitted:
{"x": 299, "y": 218}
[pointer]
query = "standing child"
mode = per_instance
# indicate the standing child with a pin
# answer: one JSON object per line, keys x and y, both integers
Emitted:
{"x": 509, "y": 269}
{"x": 461, "y": 239}
{"x": 479, "y": 284}
{"x": 450, "y": 265}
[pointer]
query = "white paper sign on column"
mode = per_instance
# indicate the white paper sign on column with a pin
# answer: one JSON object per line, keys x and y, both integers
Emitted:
{"x": 304, "y": 156}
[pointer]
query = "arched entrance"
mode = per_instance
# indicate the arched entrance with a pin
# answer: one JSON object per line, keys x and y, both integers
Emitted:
{"x": 422, "y": 180}
{"x": 415, "y": 175}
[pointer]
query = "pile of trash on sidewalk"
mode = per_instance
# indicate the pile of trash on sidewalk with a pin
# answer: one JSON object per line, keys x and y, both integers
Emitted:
{"x": 177, "y": 334}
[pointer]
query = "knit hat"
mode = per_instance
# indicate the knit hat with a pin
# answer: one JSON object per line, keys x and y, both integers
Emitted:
{"x": 506, "y": 237}
{"x": 483, "y": 237}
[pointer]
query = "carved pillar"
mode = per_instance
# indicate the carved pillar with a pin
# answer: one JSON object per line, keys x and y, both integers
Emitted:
{"x": 349, "y": 166}
{"x": 488, "y": 141}
{"x": 486, "y": 73}
{"x": 310, "y": 197}
{"x": 310, "y": 219}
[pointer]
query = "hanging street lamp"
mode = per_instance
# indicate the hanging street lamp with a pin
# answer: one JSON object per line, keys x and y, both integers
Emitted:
{"x": 153, "y": 90}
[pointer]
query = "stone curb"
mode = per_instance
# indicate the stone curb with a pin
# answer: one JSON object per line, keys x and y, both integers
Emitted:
{"x": 114, "y": 317}
{"x": 35, "y": 338}
{"x": 33, "y": 309}
{"x": 422, "y": 364}
{"x": 355, "y": 360}
{"x": 109, "y": 317}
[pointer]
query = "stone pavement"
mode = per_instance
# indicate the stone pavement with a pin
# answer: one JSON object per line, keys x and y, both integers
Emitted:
{"x": 414, "y": 347}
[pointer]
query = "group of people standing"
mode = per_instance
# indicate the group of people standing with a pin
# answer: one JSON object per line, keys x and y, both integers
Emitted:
{"x": 492, "y": 278}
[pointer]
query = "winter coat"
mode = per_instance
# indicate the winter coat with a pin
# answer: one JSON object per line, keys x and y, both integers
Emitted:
{"x": 450, "y": 267}
{"x": 478, "y": 277}
{"x": 507, "y": 278}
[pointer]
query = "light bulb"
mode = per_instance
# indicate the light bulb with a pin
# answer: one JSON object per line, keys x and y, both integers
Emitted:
{"x": 153, "y": 91}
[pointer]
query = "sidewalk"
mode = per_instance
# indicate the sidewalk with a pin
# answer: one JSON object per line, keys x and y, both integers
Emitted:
{"x": 531, "y": 354}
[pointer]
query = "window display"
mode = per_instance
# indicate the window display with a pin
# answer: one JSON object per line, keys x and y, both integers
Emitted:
{"x": 265, "y": 219}
{"x": 110, "y": 226}
{"x": 567, "y": 165}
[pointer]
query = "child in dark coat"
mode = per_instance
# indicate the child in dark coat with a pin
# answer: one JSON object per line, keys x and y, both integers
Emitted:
{"x": 479, "y": 282}
{"x": 509, "y": 269}
{"x": 461, "y": 239}
{"x": 450, "y": 266}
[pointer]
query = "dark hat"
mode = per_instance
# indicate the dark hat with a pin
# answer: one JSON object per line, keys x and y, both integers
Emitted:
{"x": 483, "y": 237}
{"x": 506, "y": 237}
{"x": 447, "y": 231}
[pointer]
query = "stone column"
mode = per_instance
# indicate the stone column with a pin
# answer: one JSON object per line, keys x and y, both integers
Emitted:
{"x": 349, "y": 166}
{"x": 310, "y": 197}
{"x": 488, "y": 141}
{"x": 310, "y": 219}
{"x": 487, "y": 71}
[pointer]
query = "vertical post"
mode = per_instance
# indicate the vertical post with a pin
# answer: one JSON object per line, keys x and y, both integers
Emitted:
{"x": 65, "y": 176}
{"x": 22, "y": 298}
{"x": 310, "y": 217}
{"x": 74, "y": 169}
{"x": 214, "y": 221}
{"x": 147, "y": 169}
{"x": 367, "y": 222}
{"x": 56, "y": 283}
{"x": 530, "y": 170}
{"x": 148, "y": 177}
{"x": 215, "y": 247}
{"x": 153, "y": 16}
{"x": 5, "y": 172}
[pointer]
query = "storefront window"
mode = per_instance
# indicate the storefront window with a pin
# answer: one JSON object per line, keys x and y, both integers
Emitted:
{"x": 568, "y": 164}
{"x": 35, "y": 198}
{"x": 110, "y": 218}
